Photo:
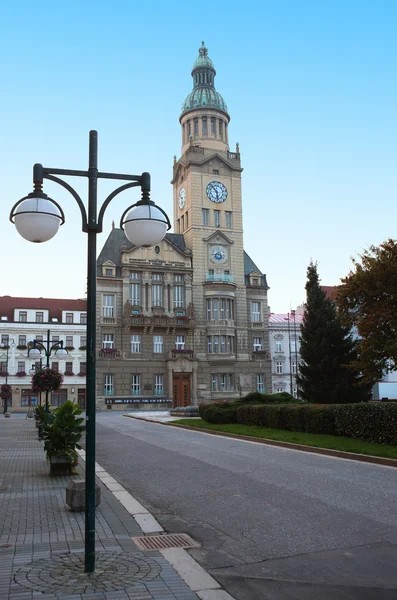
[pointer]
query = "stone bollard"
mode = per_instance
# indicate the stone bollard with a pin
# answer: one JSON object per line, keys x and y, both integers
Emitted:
{"x": 75, "y": 495}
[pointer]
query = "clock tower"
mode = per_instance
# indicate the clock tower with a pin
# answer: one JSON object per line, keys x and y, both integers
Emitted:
{"x": 208, "y": 212}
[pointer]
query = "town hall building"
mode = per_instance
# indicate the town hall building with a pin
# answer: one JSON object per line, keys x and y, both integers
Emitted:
{"x": 187, "y": 321}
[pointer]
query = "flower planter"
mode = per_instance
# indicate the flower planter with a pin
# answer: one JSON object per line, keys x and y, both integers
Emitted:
{"x": 60, "y": 465}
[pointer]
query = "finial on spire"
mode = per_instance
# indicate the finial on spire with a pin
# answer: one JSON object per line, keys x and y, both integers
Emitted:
{"x": 203, "y": 43}
{"x": 112, "y": 225}
{"x": 174, "y": 159}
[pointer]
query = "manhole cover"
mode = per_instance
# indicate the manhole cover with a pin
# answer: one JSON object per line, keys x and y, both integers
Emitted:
{"x": 169, "y": 540}
{"x": 65, "y": 573}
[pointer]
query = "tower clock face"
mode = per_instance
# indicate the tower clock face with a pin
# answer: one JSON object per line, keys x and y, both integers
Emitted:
{"x": 216, "y": 192}
{"x": 182, "y": 198}
{"x": 218, "y": 255}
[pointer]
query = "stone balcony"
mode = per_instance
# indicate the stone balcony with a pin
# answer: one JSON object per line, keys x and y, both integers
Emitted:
{"x": 260, "y": 355}
{"x": 108, "y": 320}
{"x": 219, "y": 278}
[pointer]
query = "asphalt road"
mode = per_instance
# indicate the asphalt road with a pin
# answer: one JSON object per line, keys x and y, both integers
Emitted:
{"x": 274, "y": 523}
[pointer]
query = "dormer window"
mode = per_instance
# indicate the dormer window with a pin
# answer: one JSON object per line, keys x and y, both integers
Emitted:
{"x": 109, "y": 270}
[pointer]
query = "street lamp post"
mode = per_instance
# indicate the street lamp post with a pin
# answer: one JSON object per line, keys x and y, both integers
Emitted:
{"x": 33, "y": 370}
{"x": 37, "y": 218}
{"x": 7, "y": 345}
{"x": 35, "y": 352}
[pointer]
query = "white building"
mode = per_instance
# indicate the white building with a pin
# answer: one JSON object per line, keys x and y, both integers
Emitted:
{"x": 284, "y": 343}
{"x": 25, "y": 319}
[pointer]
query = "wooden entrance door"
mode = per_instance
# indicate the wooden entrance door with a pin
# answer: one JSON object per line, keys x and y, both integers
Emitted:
{"x": 180, "y": 389}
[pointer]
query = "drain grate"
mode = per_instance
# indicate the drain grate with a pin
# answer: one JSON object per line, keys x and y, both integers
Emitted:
{"x": 168, "y": 540}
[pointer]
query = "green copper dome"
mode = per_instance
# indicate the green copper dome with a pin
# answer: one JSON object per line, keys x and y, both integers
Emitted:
{"x": 204, "y": 94}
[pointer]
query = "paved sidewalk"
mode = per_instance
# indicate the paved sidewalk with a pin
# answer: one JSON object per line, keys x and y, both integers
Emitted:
{"x": 42, "y": 541}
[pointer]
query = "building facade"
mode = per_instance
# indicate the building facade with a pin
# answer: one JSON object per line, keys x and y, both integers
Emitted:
{"x": 284, "y": 341}
{"x": 187, "y": 321}
{"x": 25, "y": 319}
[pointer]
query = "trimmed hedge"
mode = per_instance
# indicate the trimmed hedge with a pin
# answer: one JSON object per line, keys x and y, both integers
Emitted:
{"x": 374, "y": 422}
{"x": 226, "y": 412}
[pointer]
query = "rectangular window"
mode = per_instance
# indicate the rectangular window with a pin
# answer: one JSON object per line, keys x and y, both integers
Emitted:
{"x": 69, "y": 318}
{"x": 69, "y": 341}
{"x": 135, "y": 341}
{"x": 208, "y": 308}
{"x": 205, "y": 213}
{"x": 135, "y": 294}
{"x": 221, "y": 129}
{"x": 228, "y": 219}
{"x": 23, "y": 316}
{"x": 55, "y": 339}
{"x": 222, "y": 382}
{"x": 215, "y": 171}
{"x": 187, "y": 219}
{"x": 55, "y": 366}
{"x": 256, "y": 312}
{"x": 257, "y": 344}
{"x": 108, "y": 387}
{"x": 108, "y": 340}
{"x": 21, "y": 366}
{"x": 3, "y": 366}
{"x": 157, "y": 294}
{"x": 182, "y": 223}
{"x": 204, "y": 125}
{"x": 83, "y": 318}
{"x": 159, "y": 385}
{"x": 213, "y": 125}
{"x": 39, "y": 317}
{"x": 217, "y": 218}
{"x": 135, "y": 385}
{"x": 278, "y": 346}
{"x": 157, "y": 344}
{"x": 83, "y": 341}
{"x": 135, "y": 275}
{"x": 83, "y": 368}
{"x": 293, "y": 345}
{"x": 260, "y": 384}
{"x": 189, "y": 128}
{"x": 294, "y": 367}
{"x": 179, "y": 296}
{"x": 69, "y": 367}
{"x": 180, "y": 342}
{"x": 108, "y": 305}
{"x": 195, "y": 126}
{"x": 21, "y": 340}
{"x": 39, "y": 338}
{"x": 5, "y": 339}
{"x": 279, "y": 367}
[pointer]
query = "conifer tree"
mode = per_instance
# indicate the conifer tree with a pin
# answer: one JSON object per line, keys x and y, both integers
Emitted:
{"x": 326, "y": 373}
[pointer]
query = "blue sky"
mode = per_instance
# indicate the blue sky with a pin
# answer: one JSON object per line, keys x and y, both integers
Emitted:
{"x": 310, "y": 87}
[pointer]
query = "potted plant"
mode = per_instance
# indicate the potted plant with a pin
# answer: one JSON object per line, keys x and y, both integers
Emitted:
{"x": 40, "y": 415}
{"x": 62, "y": 433}
{"x": 46, "y": 380}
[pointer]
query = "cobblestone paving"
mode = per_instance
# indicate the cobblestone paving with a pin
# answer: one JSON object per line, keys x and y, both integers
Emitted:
{"x": 42, "y": 541}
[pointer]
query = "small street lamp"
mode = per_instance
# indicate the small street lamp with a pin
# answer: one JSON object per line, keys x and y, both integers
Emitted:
{"x": 37, "y": 218}
{"x": 10, "y": 343}
{"x": 35, "y": 352}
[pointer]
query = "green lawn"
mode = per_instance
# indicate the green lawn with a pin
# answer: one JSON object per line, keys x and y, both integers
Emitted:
{"x": 333, "y": 442}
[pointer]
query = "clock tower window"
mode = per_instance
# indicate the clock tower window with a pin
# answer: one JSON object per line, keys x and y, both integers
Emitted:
{"x": 213, "y": 125}
{"x": 204, "y": 121}
{"x": 228, "y": 215}
{"x": 205, "y": 212}
{"x": 217, "y": 218}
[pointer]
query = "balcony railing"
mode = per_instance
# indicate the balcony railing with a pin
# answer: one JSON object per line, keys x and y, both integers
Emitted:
{"x": 159, "y": 320}
{"x": 219, "y": 277}
{"x": 108, "y": 392}
{"x": 109, "y": 353}
{"x": 261, "y": 355}
{"x": 108, "y": 320}
{"x": 178, "y": 352}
